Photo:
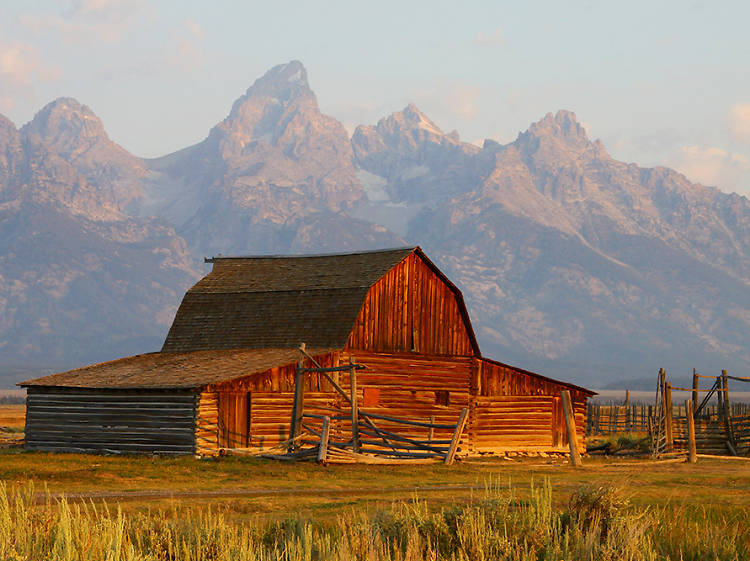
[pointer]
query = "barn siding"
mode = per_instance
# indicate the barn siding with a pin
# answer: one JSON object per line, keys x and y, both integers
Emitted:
{"x": 97, "y": 420}
{"x": 223, "y": 419}
{"x": 514, "y": 410}
{"x": 508, "y": 409}
{"x": 408, "y": 387}
{"x": 412, "y": 309}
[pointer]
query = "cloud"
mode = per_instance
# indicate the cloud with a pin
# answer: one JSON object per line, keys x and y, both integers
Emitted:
{"x": 715, "y": 166}
{"x": 449, "y": 100}
{"x": 490, "y": 40}
{"x": 185, "y": 47}
{"x": 20, "y": 69}
{"x": 463, "y": 100}
{"x": 90, "y": 21}
{"x": 739, "y": 122}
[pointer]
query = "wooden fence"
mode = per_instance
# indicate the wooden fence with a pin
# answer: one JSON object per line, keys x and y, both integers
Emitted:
{"x": 720, "y": 428}
{"x": 353, "y": 433}
{"x": 610, "y": 418}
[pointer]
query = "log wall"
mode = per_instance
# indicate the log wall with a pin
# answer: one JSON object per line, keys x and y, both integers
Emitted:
{"x": 223, "y": 420}
{"x": 413, "y": 388}
{"x": 508, "y": 409}
{"x": 95, "y": 420}
{"x": 515, "y": 410}
{"x": 412, "y": 308}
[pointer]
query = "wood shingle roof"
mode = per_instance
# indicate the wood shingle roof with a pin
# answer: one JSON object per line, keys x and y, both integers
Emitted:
{"x": 172, "y": 370}
{"x": 278, "y": 301}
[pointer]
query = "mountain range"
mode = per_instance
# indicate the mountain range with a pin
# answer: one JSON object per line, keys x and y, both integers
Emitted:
{"x": 572, "y": 263}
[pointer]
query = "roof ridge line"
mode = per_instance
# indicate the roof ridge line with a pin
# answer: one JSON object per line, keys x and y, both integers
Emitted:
{"x": 323, "y": 289}
{"x": 303, "y": 255}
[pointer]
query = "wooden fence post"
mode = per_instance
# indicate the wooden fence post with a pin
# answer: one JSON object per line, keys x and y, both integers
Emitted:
{"x": 324, "y": 435}
{"x": 731, "y": 443}
{"x": 431, "y": 433}
{"x": 355, "y": 410}
{"x": 695, "y": 390}
{"x": 457, "y": 436}
{"x": 628, "y": 416}
{"x": 298, "y": 403}
{"x": 570, "y": 426}
{"x": 669, "y": 419}
{"x": 692, "y": 453}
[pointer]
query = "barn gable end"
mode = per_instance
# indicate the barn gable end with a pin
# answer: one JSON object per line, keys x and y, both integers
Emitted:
{"x": 414, "y": 308}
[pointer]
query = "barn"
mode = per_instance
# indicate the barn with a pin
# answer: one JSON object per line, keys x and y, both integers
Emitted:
{"x": 228, "y": 370}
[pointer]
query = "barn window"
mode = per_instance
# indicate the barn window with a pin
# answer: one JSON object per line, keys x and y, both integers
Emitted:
{"x": 371, "y": 397}
{"x": 442, "y": 397}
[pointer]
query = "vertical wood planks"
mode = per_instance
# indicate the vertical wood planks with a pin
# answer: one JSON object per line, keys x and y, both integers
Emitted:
{"x": 411, "y": 309}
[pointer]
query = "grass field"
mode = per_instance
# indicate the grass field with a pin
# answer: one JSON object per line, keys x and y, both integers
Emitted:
{"x": 12, "y": 416}
{"x": 701, "y": 506}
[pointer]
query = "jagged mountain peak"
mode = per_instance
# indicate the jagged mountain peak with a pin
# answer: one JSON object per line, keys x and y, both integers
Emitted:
{"x": 559, "y": 136}
{"x": 68, "y": 128}
{"x": 409, "y": 119}
{"x": 282, "y": 82}
{"x": 266, "y": 108}
{"x": 562, "y": 124}
{"x": 65, "y": 121}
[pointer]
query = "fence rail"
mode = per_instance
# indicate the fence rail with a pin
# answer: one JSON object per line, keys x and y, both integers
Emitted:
{"x": 697, "y": 424}
{"x": 606, "y": 419}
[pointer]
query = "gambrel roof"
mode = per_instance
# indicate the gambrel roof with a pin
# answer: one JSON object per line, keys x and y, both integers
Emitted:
{"x": 280, "y": 301}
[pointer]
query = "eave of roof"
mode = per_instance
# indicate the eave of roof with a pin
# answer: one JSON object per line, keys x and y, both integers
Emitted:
{"x": 588, "y": 392}
{"x": 459, "y": 298}
{"x": 191, "y": 370}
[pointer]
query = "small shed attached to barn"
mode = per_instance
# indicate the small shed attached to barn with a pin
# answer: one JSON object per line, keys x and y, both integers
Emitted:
{"x": 225, "y": 375}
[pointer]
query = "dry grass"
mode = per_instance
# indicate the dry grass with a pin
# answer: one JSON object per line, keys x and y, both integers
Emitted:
{"x": 13, "y": 416}
{"x": 260, "y": 509}
{"x": 250, "y": 486}
{"x": 597, "y": 523}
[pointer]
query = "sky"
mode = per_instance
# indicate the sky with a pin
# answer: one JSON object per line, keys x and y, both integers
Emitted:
{"x": 660, "y": 83}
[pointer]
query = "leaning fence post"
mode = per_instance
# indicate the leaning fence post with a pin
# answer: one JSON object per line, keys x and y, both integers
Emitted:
{"x": 324, "y": 435}
{"x": 692, "y": 453}
{"x": 570, "y": 426}
{"x": 457, "y": 436}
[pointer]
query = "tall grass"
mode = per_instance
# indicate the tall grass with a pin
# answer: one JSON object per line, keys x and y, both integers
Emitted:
{"x": 596, "y": 524}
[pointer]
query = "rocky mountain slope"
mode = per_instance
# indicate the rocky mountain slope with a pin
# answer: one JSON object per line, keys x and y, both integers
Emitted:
{"x": 576, "y": 263}
{"x": 275, "y": 176}
{"x": 571, "y": 262}
{"x": 79, "y": 279}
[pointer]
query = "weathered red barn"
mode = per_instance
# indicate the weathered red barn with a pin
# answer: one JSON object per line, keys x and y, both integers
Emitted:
{"x": 225, "y": 375}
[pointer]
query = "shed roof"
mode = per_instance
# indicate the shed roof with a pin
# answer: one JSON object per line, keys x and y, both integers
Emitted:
{"x": 278, "y": 301}
{"x": 172, "y": 370}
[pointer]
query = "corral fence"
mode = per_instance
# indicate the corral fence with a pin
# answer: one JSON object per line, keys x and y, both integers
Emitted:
{"x": 604, "y": 419}
{"x": 718, "y": 425}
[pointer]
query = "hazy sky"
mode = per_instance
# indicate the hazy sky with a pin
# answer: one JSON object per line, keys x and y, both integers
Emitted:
{"x": 659, "y": 82}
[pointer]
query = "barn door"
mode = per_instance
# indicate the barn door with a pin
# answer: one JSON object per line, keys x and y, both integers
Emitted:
{"x": 559, "y": 434}
{"x": 234, "y": 419}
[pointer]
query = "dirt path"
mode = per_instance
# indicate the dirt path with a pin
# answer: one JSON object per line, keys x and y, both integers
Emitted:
{"x": 157, "y": 494}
